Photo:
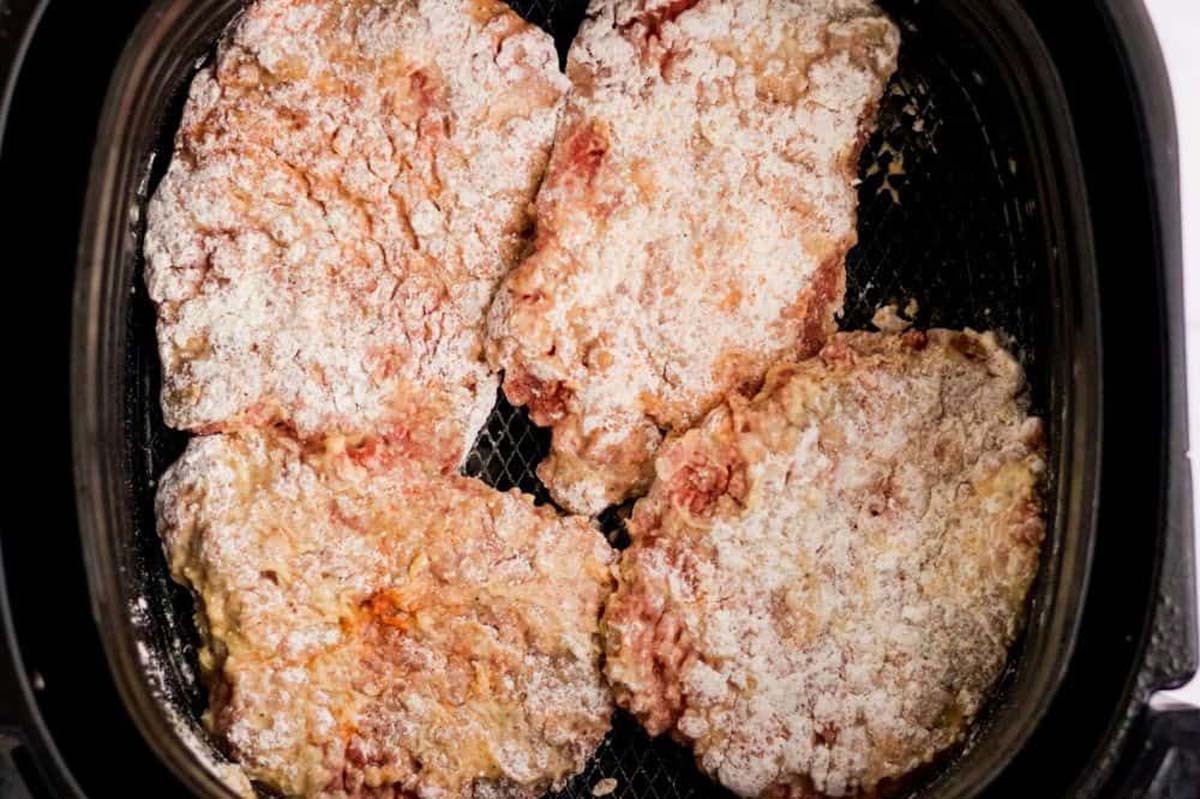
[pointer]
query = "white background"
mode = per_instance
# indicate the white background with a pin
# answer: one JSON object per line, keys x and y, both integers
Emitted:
{"x": 1178, "y": 25}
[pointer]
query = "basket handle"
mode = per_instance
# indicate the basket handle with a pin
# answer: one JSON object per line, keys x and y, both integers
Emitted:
{"x": 1165, "y": 763}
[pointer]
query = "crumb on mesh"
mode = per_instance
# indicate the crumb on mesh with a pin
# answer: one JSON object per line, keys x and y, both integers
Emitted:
{"x": 604, "y": 787}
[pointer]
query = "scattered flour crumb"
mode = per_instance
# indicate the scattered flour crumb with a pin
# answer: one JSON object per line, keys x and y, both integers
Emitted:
{"x": 604, "y": 787}
{"x": 888, "y": 319}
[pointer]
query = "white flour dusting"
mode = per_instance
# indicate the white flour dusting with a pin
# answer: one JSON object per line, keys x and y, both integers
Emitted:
{"x": 693, "y": 224}
{"x": 824, "y": 582}
{"x": 350, "y": 180}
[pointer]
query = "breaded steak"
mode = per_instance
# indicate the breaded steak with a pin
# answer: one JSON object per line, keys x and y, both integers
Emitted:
{"x": 372, "y": 631}
{"x": 350, "y": 180}
{"x": 694, "y": 222}
{"x": 824, "y": 581}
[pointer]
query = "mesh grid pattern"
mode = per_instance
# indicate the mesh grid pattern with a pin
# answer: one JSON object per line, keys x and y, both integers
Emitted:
{"x": 508, "y": 450}
{"x": 643, "y": 768}
{"x": 944, "y": 220}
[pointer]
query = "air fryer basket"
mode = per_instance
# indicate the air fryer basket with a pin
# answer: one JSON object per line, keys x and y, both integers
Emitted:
{"x": 971, "y": 209}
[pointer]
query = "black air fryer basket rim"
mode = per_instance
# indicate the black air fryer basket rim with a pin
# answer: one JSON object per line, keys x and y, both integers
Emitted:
{"x": 103, "y": 283}
{"x": 1169, "y": 646}
{"x": 20, "y": 719}
{"x": 39, "y": 738}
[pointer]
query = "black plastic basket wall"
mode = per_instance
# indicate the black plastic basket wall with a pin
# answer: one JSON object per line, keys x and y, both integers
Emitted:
{"x": 948, "y": 233}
